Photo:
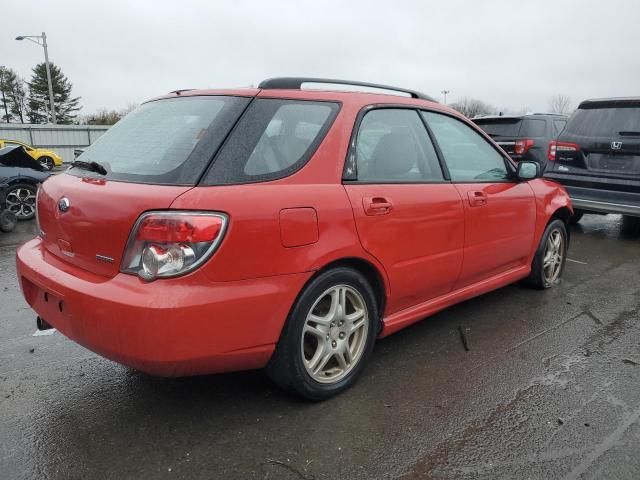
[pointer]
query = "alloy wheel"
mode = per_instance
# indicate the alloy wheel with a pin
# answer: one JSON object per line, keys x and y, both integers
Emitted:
{"x": 22, "y": 202}
{"x": 553, "y": 256}
{"x": 334, "y": 334}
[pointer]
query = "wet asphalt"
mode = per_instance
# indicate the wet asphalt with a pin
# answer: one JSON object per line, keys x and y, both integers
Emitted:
{"x": 549, "y": 388}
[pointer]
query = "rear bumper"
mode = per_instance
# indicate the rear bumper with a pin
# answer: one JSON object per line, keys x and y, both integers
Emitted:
{"x": 184, "y": 326}
{"x": 596, "y": 195}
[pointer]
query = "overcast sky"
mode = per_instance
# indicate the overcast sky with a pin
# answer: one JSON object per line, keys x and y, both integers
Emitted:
{"x": 511, "y": 54}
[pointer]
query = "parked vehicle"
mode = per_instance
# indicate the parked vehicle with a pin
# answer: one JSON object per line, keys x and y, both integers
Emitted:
{"x": 524, "y": 137}
{"x": 22, "y": 175}
{"x": 597, "y": 157}
{"x": 47, "y": 158}
{"x": 8, "y": 219}
{"x": 283, "y": 228}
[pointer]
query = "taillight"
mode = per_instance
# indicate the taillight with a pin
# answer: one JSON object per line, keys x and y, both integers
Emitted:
{"x": 523, "y": 146}
{"x": 169, "y": 244}
{"x": 555, "y": 147}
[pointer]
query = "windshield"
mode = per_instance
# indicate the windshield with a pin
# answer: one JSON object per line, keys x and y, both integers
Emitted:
{"x": 167, "y": 141}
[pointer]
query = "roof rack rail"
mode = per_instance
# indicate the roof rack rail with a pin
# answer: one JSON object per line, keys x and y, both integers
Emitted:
{"x": 295, "y": 83}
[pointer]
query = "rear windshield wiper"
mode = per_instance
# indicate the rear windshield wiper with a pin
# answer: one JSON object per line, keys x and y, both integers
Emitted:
{"x": 90, "y": 166}
{"x": 629, "y": 134}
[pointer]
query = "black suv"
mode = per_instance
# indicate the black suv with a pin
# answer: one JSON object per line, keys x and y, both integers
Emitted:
{"x": 597, "y": 157}
{"x": 524, "y": 137}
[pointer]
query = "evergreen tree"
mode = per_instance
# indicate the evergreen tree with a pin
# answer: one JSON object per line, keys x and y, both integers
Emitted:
{"x": 12, "y": 96}
{"x": 38, "y": 104}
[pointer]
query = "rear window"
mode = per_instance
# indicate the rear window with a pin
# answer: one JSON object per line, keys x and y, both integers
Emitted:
{"x": 167, "y": 141}
{"x": 273, "y": 139}
{"x": 605, "y": 122}
{"x": 504, "y": 127}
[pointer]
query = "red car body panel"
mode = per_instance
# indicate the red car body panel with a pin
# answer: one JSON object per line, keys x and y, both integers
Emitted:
{"x": 433, "y": 245}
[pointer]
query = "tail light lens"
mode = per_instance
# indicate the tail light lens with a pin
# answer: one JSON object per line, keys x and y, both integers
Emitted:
{"x": 170, "y": 244}
{"x": 523, "y": 146}
{"x": 555, "y": 147}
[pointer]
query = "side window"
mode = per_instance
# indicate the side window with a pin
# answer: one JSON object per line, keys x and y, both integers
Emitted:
{"x": 533, "y": 127}
{"x": 558, "y": 126}
{"x": 273, "y": 139}
{"x": 469, "y": 157}
{"x": 393, "y": 146}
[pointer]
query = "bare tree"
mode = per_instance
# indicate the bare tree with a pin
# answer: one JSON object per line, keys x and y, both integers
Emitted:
{"x": 470, "y": 107}
{"x": 560, "y": 103}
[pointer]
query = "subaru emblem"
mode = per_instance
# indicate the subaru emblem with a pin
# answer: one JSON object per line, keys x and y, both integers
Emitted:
{"x": 64, "y": 204}
{"x": 616, "y": 145}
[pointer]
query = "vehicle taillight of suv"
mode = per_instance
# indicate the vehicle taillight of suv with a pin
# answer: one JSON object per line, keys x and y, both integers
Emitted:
{"x": 284, "y": 228}
{"x": 597, "y": 157}
{"x": 524, "y": 137}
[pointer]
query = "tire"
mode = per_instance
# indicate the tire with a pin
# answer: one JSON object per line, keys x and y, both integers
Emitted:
{"x": 551, "y": 254}
{"x": 576, "y": 217}
{"x": 47, "y": 162}
{"x": 21, "y": 200}
{"x": 8, "y": 221}
{"x": 321, "y": 352}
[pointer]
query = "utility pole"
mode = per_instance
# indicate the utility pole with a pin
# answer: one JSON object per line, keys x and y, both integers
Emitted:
{"x": 43, "y": 38}
{"x": 4, "y": 100}
{"x": 444, "y": 92}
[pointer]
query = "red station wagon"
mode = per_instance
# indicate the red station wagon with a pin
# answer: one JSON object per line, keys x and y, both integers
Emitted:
{"x": 282, "y": 227}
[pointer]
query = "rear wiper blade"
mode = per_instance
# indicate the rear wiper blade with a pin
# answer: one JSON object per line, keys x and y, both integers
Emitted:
{"x": 91, "y": 166}
{"x": 629, "y": 134}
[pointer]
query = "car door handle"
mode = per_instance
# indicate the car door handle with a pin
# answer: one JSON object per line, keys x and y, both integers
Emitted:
{"x": 477, "y": 199}
{"x": 377, "y": 205}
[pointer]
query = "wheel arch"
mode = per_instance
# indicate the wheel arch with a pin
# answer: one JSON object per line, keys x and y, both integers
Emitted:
{"x": 563, "y": 213}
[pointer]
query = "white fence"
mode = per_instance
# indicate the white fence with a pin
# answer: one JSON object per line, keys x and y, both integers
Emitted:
{"x": 62, "y": 139}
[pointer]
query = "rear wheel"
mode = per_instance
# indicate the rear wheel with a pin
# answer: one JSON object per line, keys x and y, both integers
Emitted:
{"x": 46, "y": 162}
{"x": 21, "y": 200}
{"x": 576, "y": 217}
{"x": 328, "y": 336}
{"x": 551, "y": 255}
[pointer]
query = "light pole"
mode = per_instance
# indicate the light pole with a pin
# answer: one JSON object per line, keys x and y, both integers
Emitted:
{"x": 4, "y": 100}
{"x": 42, "y": 41}
{"x": 444, "y": 92}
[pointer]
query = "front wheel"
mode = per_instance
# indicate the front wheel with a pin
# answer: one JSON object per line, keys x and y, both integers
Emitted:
{"x": 551, "y": 255}
{"x": 328, "y": 336}
{"x": 21, "y": 201}
{"x": 46, "y": 162}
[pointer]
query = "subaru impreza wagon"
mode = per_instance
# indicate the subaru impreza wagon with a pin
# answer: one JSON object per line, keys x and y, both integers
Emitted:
{"x": 283, "y": 227}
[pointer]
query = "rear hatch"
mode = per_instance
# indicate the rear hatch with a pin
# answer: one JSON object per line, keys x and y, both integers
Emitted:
{"x": 151, "y": 157}
{"x": 523, "y": 138}
{"x": 602, "y": 139}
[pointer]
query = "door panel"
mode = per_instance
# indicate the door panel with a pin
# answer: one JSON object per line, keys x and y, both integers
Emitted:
{"x": 499, "y": 227}
{"x": 417, "y": 236}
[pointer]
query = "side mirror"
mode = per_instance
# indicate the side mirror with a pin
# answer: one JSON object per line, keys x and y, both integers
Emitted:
{"x": 528, "y": 171}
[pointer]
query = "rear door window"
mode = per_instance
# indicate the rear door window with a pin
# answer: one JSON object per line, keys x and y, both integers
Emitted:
{"x": 532, "y": 127}
{"x": 469, "y": 157}
{"x": 558, "y": 126}
{"x": 393, "y": 146}
{"x": 273, "y": 139}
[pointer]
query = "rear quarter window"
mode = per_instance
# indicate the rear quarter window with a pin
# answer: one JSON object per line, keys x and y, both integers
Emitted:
{"x": 273, "y": 139}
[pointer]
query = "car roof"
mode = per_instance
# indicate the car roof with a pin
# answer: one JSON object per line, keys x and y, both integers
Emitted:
{"x": 291, "y": 87}
{"x": 609, "y": 102}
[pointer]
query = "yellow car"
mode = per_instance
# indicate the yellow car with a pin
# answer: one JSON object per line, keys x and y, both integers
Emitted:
{"x": 47, "y": 158}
